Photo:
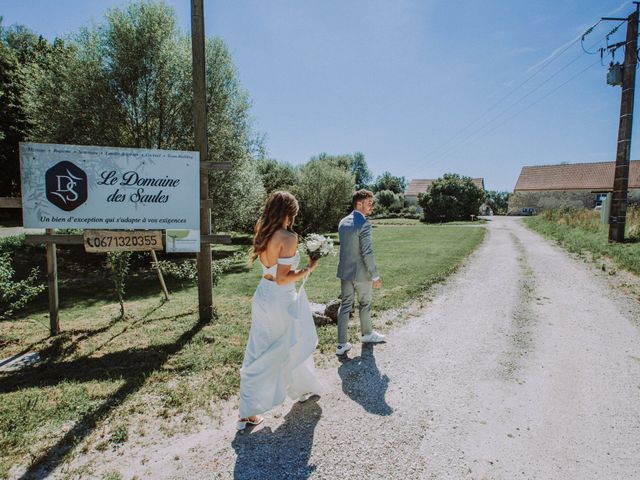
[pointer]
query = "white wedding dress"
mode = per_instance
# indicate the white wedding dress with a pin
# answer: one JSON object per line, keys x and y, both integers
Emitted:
{"x": 278, "y": 361}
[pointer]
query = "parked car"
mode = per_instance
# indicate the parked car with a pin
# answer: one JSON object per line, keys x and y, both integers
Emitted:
{"x": 528, "y": 211}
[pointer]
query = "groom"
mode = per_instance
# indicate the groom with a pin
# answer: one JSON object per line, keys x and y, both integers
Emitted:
{"x": 357, "y": 270}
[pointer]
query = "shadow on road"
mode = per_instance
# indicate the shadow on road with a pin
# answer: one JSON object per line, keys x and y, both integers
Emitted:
{"x": 283, "y": 453}
{"x": 363, "y": 383}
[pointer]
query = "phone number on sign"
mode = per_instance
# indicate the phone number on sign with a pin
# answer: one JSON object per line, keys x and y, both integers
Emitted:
{"x": 137, "y": 241}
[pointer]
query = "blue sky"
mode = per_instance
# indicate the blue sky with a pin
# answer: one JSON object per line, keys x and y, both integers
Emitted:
{"x": 421, "y": 87}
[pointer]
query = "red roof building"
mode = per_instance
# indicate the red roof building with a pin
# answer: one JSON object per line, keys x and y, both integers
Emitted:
{"x": 574, "y": 176}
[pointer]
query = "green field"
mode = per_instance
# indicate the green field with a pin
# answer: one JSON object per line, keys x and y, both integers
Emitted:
{"x": 101, "y": 375}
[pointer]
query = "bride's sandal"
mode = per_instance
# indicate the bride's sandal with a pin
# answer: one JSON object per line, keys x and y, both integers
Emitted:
{"x": 245, "y": 422}
{"x": 303, "y": 398}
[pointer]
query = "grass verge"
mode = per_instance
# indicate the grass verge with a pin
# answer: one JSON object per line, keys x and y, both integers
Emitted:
{"x": 583, "y": 237}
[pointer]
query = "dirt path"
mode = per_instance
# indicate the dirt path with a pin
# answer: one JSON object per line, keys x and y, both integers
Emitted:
{"x": 525, "y": 365}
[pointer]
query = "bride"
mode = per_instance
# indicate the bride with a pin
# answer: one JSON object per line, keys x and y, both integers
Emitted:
{"x": 278, "y": 360}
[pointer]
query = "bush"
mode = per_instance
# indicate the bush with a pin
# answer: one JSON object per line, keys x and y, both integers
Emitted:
{"x": 583, "y": 218}
{"x": 12, "y": 244}
{"x": 187, "y": 270}
{"x": 324, "y": 193}
{"x": 276, "y": 175}
{"x": 14, "y": 295}
{"x": 390, "y": 201}
{"x": 498, "y": 202}
{"x": 589, "y": 220}
{"x": 451, "y": 197}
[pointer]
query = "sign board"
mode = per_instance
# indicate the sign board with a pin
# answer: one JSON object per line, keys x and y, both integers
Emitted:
{"x": 183, "y": 241}
{"x": 75, "y": 186}
{"x": 111, "y": 241}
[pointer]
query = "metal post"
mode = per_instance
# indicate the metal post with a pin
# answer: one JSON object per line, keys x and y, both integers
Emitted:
{"x": 205, "y": 283}
{"x": 617, "y": 219}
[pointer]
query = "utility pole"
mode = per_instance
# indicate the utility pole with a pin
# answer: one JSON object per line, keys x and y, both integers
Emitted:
{"x": 205, "y": 283}
{"x": 617, "y": 220}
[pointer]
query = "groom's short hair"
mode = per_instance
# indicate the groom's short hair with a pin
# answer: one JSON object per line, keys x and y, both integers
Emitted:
{"x": 361, "y": 194}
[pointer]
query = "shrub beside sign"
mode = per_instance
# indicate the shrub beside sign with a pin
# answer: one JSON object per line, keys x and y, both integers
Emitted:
{"x": 75, "y": 186}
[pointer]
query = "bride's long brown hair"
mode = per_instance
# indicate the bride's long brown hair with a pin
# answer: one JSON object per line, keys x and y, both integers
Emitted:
{"x": 280, "y": 205}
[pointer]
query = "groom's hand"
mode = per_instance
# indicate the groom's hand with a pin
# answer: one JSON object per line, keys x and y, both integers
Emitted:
{"x": 377, "y": 283}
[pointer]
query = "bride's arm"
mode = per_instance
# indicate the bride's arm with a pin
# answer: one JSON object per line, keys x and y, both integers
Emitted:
{"x": 284, "y": 274}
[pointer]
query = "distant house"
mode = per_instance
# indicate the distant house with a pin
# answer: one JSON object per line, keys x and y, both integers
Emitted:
{"x": 568, "y": 185}
{"x": 417, "y": 186}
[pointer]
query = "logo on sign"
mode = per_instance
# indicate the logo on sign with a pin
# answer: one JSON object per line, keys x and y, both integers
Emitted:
{"x": 66, "y": 186}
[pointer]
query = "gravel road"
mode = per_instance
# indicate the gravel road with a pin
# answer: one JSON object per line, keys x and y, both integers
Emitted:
{"x": 525, "y": 365}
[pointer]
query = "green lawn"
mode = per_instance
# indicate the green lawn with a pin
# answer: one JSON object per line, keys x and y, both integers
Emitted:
{"x": 591, "y": 238}
{"x": 101, "y": 374}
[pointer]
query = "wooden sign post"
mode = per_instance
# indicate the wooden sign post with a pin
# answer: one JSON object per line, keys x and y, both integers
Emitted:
{"x": 52, "y": 280}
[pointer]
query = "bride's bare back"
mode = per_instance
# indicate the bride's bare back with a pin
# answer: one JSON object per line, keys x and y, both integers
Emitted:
{"x": 282, "y": 244}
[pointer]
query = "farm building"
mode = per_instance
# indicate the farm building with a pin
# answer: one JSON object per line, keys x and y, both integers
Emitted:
{"x": 568, "y": 185}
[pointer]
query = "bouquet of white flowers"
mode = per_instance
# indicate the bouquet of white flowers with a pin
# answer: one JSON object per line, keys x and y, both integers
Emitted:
{"x": 317, "y": 246}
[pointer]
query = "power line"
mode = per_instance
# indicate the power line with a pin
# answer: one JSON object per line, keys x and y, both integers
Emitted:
{"x": 448, "y": 151}
{"x": 543, "y": 97}
{"x": 470, "y": 138}
{"x": 545, "y": 63}
{"x": 497, "y": 117}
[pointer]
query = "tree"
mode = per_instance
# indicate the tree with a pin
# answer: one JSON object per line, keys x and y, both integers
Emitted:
{"x": 324, "y": 192}
{"x": 12, "y": 123}
{"x": 497, "y": 201}
{"x": 390, "y": 201}
{"x": 352, "y": 163}
{"x": 237, "y": 193}
{"x": 386, "y": 181}
{"x": 451, "y": 197}
{"x": 18, "y": 48}
{"x": 125, "y": 82}
{"x": 360, "y": 170}
{"x": 276, "y": 175}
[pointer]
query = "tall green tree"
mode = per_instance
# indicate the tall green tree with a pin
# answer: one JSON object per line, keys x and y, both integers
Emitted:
{"x": 117, "y": 83}
{"x": 360, "y": 170}
{"x": 386, "y": 181}
{"x": 451, "y": 197}
{"x": 324, "y": 191}
{"x": 237, "y": 193}
{"x": 353, "y": 163}
{"x": 277, "y": 175}
{"x": 19, "y": 47}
